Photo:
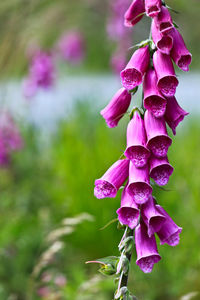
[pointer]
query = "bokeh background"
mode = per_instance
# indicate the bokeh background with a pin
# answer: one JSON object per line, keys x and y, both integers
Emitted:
{"x": 50, "y": 222}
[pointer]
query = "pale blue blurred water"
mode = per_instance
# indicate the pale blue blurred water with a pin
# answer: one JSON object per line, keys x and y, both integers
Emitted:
{"x": 48, "y": 107}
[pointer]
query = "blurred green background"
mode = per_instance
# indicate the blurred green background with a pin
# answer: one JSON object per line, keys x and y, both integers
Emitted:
{"x": 51, "y": 181}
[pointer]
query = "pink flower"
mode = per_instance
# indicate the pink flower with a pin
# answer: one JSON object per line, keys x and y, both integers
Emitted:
{"x": 164, "y": 21}
{"x": 136, "y": 149}
{"x": 153, "y": 7}
{"x": 158, "y": 140}
{"x": 153, "y": 99}
{"x": 128, "y": 213}
{"x": 133, "y": 73}
{"x": 153, "y": 219}
{"x": 180, "y": 54}
{"x": 134, "y": 13}
{"x": 116, "y": 108}
{"x": 167, "y": 81}
{"x": 160, "y": 170}
{"x": 169, "y": 232}
{"x": 138, "y": 184}
{"x": 112, "y": 180}
{"x": 174, "y": 113}
{"x": 146, "y": 248}
{"x": 72, "y": 47}
{"x": 164, "y": 43}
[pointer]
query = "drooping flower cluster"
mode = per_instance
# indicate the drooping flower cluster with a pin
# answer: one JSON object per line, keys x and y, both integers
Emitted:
{"x": 41, "y": 73}
{"x": 10, "y": 138}
{"x": 148, "y": 142}
{"x": 118, "y": 33}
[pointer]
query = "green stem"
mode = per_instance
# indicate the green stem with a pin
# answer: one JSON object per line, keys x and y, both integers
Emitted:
{"x": 123, "y": 281}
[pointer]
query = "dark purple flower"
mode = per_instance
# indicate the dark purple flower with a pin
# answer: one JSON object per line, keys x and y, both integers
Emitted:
{"x": 146, "y": 248}
{"x": 112, "y": 180}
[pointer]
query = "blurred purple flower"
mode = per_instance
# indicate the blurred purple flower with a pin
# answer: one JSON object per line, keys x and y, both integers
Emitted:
{"x": 10, "y": 138}
{"x": 118, "y": 33}
{"x": 60, "y": 280}
{"x": 44, "y": 292}
{"x": 72, "y": 47}
{"x": 115, "y": 27}
{"x": 41, "y": 73}
{"x": 118, "y": 61}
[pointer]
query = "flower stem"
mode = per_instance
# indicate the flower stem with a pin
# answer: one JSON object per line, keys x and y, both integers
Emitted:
{"x": 126, "y": 249}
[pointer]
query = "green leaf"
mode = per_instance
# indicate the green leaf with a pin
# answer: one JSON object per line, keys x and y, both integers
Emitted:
{"x": 134, "y": 91}
{"x": 108, "y": 264}
{"x": 175, "y": 25}
{"x": 170, "y": 8}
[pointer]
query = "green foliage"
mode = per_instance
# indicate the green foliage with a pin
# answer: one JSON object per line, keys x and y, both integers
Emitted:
{"x": 47, "y": 183}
